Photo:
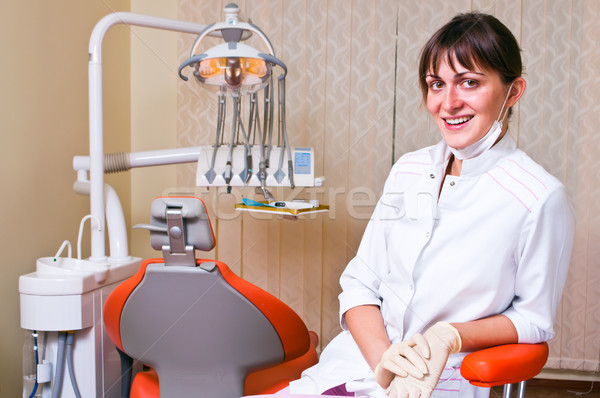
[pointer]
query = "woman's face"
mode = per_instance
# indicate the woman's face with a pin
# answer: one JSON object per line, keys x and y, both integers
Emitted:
{"x": 464, "y": 103}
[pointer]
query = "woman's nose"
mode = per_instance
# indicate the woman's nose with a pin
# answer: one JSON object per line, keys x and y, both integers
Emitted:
{"x": 452, "y": 100}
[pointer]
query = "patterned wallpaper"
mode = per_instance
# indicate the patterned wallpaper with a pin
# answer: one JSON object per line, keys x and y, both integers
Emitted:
{"x": 352, "y": 94}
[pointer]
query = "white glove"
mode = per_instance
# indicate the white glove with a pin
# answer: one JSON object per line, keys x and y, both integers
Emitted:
{"x": 443, "y": 339}
{"x": 407, "y": 387}
{"x": 403, "y": 359}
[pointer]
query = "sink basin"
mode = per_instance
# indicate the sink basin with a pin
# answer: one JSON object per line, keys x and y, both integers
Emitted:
{"x": 65, "y": 276}
{"x": 65, "y": 267}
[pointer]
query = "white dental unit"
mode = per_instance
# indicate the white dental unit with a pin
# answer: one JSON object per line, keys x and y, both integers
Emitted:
{"x": 67, "y": 353}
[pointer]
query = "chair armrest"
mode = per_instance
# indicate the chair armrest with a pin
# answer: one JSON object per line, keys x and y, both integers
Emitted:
{"x": 504, "y": 364}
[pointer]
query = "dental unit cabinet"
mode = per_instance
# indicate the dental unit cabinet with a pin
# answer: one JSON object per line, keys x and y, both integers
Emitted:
{"x": 66, "y": 350}
{"x": 65, "y": 295}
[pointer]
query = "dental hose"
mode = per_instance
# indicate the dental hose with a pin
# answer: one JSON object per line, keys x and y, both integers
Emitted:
{"x": 268, "y": 120}
{"x": 262, "y": 164}
{"x": 60, "y": 367}
{"x": 70, "y": 338}
{"x": 284, "y": 131}
{"x": 116, "y": 162}
{"x": 65, "y": 343}
{"x": 247, "y": 150}
{"x": 228, "y": 173}
{"x": 217, "y": 133}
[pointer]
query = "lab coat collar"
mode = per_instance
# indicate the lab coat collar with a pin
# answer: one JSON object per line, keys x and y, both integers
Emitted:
{"x": 479, "y": 165}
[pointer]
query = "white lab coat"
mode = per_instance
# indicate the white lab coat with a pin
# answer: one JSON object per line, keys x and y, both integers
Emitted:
{"x": 497, "y": 241}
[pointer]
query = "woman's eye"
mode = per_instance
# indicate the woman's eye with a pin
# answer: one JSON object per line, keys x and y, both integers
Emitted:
{"x": 435, "y": 85}
{"x": 469, "y": 83}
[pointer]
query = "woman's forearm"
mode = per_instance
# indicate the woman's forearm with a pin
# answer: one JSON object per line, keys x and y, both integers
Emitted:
{"x": 367, "y": 328}
{"x": 486, "y": 332}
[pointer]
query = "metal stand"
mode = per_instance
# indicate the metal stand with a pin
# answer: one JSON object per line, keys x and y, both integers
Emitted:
{"x": 520, "y": 390}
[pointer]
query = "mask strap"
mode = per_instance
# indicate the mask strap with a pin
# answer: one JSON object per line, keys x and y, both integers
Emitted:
{"x": 500, "y": 117}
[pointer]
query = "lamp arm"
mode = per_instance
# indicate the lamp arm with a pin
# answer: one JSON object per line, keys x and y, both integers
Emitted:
{"x": 129, "y": 18}
{"x": 97, "y": 208}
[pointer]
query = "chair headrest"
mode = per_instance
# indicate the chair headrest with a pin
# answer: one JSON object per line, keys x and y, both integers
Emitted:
{"x": 179, "y": 225}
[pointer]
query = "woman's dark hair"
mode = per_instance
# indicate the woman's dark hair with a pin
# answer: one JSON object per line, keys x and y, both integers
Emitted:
{"x": 475, "y": 39}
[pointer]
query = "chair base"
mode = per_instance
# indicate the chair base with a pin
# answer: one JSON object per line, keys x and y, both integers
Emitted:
{"x": 508, "y": 389}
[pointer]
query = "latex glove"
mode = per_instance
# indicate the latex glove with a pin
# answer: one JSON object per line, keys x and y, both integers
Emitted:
{"x": 403, "y": 359}
{"x": 407, "y": 387}
{"x": 443, "y": 339}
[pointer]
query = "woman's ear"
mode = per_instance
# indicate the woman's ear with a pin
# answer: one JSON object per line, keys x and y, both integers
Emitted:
{"x": 516, "y": 91}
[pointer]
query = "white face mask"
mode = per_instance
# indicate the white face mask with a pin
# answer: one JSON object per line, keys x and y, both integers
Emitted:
{"x": 487, "y": 141}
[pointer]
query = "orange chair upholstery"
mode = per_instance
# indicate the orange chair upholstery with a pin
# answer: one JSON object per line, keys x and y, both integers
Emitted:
{"x": 266, "y": 381}
{"x": 201, "y": 329}
{"x": 505, "y": 365}
{"x": 271, "y": 380}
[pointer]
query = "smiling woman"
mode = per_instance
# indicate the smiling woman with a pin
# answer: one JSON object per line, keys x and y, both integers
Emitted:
{"x": 469, "y": 244}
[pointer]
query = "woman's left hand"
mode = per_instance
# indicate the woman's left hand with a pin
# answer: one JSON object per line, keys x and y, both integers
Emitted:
{"x": 443, "y": 339}
{"x": 408, "y": 387}
{"x": 402, "y": 359}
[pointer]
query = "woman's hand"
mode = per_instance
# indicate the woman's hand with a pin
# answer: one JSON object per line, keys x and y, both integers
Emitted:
{"x": 442, "y": 339}
{"x": 408, "y": 387}
{"x": 403, "y": 359}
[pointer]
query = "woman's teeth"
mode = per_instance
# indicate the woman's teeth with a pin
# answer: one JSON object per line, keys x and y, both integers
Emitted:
{"x": 459, "y": 120}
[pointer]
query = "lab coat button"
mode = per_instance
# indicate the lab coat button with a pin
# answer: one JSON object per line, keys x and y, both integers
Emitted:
{"x": 452, "y": 183}
{"x": 432, "y": 176}
{"x": 428, "y": 234}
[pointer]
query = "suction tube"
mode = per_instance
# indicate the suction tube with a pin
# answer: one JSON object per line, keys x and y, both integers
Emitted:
{"x": 70, "y": 338}
{"x": 60, "y": 367}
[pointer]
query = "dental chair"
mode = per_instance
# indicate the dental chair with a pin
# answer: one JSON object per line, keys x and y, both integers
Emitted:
{"x": 505, "y": 365}
{"x": 198, "y": 328}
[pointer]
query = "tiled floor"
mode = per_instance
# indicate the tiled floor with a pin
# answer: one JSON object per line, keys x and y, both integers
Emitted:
{"x": 538, "y": 388}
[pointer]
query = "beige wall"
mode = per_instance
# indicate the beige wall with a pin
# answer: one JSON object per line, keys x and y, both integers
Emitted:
{"x": 44, "y": 122}
{"x": 153, "y": 112}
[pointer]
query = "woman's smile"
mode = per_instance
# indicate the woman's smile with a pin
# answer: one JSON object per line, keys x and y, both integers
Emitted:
{"x": 457, "y": 122}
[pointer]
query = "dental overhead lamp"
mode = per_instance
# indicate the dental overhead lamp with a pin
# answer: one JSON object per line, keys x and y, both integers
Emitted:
{"x": 232, "y": 68}
{"x": 241, "y": 73}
